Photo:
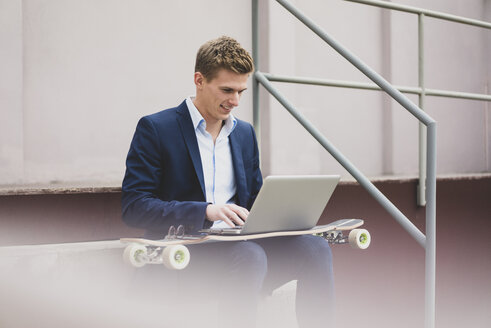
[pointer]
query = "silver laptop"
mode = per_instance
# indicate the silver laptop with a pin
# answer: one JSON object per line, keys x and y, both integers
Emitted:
{"x": 286, "y": 203}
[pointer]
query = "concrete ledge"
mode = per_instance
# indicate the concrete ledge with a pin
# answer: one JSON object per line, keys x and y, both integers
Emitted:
{"x": 407, "y": 179}
{"x": 60, "y": 188}
{"x": 96, "y": 187}
{"x": 63, "y": 285}
{"x": 32, "y": 250}
{"x": 64, "y": 260}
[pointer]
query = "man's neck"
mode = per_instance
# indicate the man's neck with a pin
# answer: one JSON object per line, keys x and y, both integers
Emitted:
{"x": 213, "y": 126}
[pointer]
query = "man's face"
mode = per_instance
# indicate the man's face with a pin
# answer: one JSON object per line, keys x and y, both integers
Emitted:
{"x": 216, "y": 98}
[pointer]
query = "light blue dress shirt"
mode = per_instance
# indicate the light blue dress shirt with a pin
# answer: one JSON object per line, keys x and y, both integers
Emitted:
{"x": 216, "y": 159}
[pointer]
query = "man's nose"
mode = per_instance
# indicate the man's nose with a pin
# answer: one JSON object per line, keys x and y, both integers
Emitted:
{"x": 234, "y": 99}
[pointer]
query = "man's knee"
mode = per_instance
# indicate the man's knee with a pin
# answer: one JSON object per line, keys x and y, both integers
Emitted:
{"x": 247, "y": 268}
{"x": 314, "y": 249}
{"x": 249, "y": 256}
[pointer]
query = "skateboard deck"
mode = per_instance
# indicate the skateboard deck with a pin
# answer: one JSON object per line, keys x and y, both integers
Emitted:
{"x": 173, "y": 253}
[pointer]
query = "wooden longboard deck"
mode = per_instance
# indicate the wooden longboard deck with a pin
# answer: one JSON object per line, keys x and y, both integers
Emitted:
{"x": 345, "y": 224}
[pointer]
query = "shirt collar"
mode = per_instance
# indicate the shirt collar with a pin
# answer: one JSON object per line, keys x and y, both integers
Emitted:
{"x": 198, "y": 119}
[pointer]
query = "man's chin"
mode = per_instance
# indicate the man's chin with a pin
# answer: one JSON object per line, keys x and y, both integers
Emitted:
{"x": 224, "y": 116}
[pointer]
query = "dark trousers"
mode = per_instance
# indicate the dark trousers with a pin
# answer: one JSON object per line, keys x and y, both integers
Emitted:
{"x": 225, "y": 280}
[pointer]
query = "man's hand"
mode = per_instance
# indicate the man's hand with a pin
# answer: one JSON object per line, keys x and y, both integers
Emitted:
{"x": 229, "y": 213}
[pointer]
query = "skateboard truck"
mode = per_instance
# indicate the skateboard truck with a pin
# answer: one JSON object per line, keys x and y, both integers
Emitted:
{"x": 173, "y": 257}
{"x": 334, "y": 237}
{"x": 357, "y": 238}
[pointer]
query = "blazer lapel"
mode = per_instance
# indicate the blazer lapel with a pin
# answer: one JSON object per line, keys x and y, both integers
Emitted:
{"x": 238, "y": 162}
{"x": 189, "y": 135}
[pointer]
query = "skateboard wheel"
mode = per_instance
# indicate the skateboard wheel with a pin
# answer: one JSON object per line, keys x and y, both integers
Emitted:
{"x": 133, "y": 255}
{"x": 176, "y": 257}
{"x": 359, "y": 238}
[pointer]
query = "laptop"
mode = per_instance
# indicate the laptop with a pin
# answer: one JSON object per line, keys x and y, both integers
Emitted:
{"x": 286, "y": 203}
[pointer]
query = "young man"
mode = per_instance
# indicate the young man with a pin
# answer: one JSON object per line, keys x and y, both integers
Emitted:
{"x": 196, "y": 165}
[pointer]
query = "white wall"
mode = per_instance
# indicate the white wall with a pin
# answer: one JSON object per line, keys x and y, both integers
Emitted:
{"x": 11, "y": 115}
{"x": 75, "y": 76}
{"x": 457, "y": 59}
{"x": 342, "y": 115}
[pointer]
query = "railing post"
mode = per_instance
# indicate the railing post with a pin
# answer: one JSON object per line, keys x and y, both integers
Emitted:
{"x": 430, "y": 245}
{"x": 421, "y": 197}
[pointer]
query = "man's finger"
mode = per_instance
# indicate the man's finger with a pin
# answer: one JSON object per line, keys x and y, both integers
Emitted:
{"x": 241, "y": 211}
{"x": 225, "y": 219}
{"x": 233, "y": 216}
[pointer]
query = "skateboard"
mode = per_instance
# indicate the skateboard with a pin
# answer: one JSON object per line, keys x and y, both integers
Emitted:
{"x": 173, "y": 253}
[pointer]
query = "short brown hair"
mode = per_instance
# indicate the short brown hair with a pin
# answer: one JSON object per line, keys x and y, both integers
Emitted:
{"x": 224, "y": 52}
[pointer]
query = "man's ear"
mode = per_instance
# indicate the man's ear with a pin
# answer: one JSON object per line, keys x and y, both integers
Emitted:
{"x": 198, "y": 79}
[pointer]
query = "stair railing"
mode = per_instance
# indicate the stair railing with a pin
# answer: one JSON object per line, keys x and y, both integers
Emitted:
{"x": 427, "y": 130}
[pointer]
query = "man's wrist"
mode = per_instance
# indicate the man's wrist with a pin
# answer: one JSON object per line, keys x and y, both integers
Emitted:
{"x": 207, "y": 214}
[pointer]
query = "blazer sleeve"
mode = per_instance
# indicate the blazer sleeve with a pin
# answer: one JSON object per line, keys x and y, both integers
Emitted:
{"x": 141, "y": 205}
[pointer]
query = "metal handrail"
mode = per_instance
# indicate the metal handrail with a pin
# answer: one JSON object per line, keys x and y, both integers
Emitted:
{"x": 422, "y": 14}
{"x": 364, "y": 181}
{"x": 426, "y": 12}
{"x": 374, "y": 87}
{"x": 428, "y": 241}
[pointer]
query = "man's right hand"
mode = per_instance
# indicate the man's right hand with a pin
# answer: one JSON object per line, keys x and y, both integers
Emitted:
{"x": 229, "y": 213}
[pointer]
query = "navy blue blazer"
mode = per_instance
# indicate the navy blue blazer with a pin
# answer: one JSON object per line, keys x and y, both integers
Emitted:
{"x": 164, "y": 184}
